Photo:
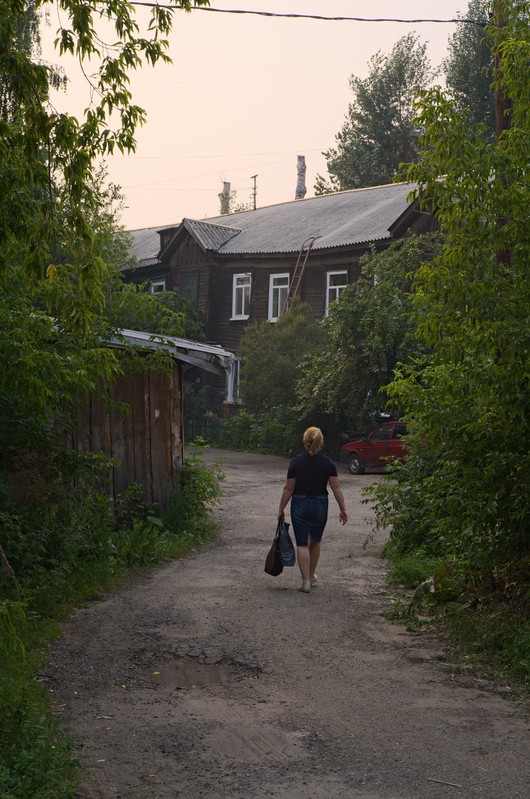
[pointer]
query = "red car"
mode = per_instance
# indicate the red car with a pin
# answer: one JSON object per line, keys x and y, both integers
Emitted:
{"x": 374, "y": 450}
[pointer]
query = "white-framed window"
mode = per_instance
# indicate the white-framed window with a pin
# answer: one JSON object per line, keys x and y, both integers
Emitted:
{"x": 157, "y": 286}
{"x": 241, "y": 296}
{"x": 278, "y": 291}
{"x": 232, "y": 382}
{"x": 335, "y": 283}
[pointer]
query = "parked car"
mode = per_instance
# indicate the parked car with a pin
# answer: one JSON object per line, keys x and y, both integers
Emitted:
{"x": 374, "y": 450}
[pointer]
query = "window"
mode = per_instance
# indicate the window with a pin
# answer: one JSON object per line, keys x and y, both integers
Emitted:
{"x": 232, "y": 382}
{"x": 336, "y": 282}
{"x": 157, "y": 286}
{"x": 189, "y": 287}
{"x": 278, "y": 291}
{"x": 383, "y": 434}
{"x": 241, "y": 296}
{"x": 400, "y": 430}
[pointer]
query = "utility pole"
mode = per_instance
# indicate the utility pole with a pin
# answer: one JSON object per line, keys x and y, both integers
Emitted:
{"x": 254, "y": 190}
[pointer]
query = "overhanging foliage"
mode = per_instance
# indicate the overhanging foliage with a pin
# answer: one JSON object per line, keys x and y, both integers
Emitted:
{"x": 463, "y": 494}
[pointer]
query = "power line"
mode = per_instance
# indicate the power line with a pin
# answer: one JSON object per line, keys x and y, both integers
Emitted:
{"x": 320, "y": 18}
{"x": 218, "y": 155}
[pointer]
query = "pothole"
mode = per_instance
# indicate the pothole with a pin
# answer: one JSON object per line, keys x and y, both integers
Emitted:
{"x": 201, "y": 670}
{"x": 189, "y": 674}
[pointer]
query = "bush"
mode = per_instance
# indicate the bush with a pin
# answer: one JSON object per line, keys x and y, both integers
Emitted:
{"x": 278, "y": 432}
{"x": 189, "y": 509}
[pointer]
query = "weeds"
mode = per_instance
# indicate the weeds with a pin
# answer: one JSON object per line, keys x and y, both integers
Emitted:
{"x": 411, "y": 568}
{"x": 485, "y": 626}
{"x": 494, "y": 639}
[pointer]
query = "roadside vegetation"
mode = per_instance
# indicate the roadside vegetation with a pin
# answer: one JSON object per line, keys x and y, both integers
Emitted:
{"x": 459, "y": 501}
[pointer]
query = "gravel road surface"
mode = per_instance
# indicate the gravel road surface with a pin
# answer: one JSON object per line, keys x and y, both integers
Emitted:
{"x": 209, "y": 678}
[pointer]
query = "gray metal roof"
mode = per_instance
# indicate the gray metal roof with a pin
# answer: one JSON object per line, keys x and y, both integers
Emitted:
{"x": 337, "y": 220}
{"x": 206, "y": 356}
{"x": 146, "y": 242}
{"x": 211, "y": 237}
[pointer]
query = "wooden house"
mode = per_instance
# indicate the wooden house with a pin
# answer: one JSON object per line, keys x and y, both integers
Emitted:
{"x": 242, "y": 268}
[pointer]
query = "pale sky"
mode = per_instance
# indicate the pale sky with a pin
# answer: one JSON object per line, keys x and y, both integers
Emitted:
{"x": 245, "y": 95}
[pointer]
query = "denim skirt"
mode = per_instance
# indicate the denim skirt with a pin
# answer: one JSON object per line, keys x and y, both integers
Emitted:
{"x": 308, "y": 516}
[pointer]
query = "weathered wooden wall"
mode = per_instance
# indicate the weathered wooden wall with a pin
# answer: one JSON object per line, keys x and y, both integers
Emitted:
{"x": 214, "y": 300}
{"x": 146, "y": 439}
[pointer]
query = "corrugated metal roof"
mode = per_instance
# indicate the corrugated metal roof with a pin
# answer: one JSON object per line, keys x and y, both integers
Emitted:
{"x": 146, "y": 242}
{"x": 338, "y": 220}
{"x": 206, "y": 356}
{"x": 144, "y": 262}
{"x": 211, "y": 237}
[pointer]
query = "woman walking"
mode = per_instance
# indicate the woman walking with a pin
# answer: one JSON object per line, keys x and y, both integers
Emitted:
{"x": 306, "y": 486}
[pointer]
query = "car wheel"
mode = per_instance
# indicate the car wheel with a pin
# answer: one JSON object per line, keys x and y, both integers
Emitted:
{"x": 355, "y": 464}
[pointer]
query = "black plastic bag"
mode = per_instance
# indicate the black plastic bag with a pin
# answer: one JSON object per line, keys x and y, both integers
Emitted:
{"x": 286, "y": 549}
{"x": 273, "y": 564}
{"x": 282, "y": 552}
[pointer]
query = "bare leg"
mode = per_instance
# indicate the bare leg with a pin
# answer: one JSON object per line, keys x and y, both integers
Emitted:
{"x": 314, "y": 555}
{"x": 303, "y": 562}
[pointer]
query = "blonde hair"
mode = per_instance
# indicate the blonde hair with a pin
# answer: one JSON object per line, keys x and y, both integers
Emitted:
{"x": 313, "y": 440}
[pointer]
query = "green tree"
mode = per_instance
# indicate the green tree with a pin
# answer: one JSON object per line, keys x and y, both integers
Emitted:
{"x": 129, "y": 305}
{"x": 380, "y": 132}
{"x": 133, "y": 307}
{"x": 51, "y": 256}
{"x": 367, "y": 332}
{"x": 271, "y": 359}
{"x": 44, "y": 230}
{"x": 27, "y": 40}
{"x": 469, "y": 68}
{"x": 463, "y": 494}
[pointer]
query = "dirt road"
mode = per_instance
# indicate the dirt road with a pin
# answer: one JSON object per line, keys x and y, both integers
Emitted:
{"x": 208, "y": 678}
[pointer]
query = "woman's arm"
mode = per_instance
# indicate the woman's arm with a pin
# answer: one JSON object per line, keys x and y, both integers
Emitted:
{"x": 339, "y": 496}
{"x": 286, "y": 496}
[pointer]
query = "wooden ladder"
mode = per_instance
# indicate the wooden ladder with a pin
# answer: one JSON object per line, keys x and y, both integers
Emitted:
{"x": 299, "y": 270}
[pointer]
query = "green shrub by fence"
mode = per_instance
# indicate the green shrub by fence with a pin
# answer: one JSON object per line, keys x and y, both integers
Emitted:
{"x": 274, "y": 433}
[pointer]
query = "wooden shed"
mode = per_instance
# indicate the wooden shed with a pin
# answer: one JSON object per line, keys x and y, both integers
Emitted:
{"x": 142, "y": 427}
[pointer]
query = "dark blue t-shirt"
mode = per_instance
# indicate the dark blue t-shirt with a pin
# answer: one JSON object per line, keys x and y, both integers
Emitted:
{"x": 312, "y": 473}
